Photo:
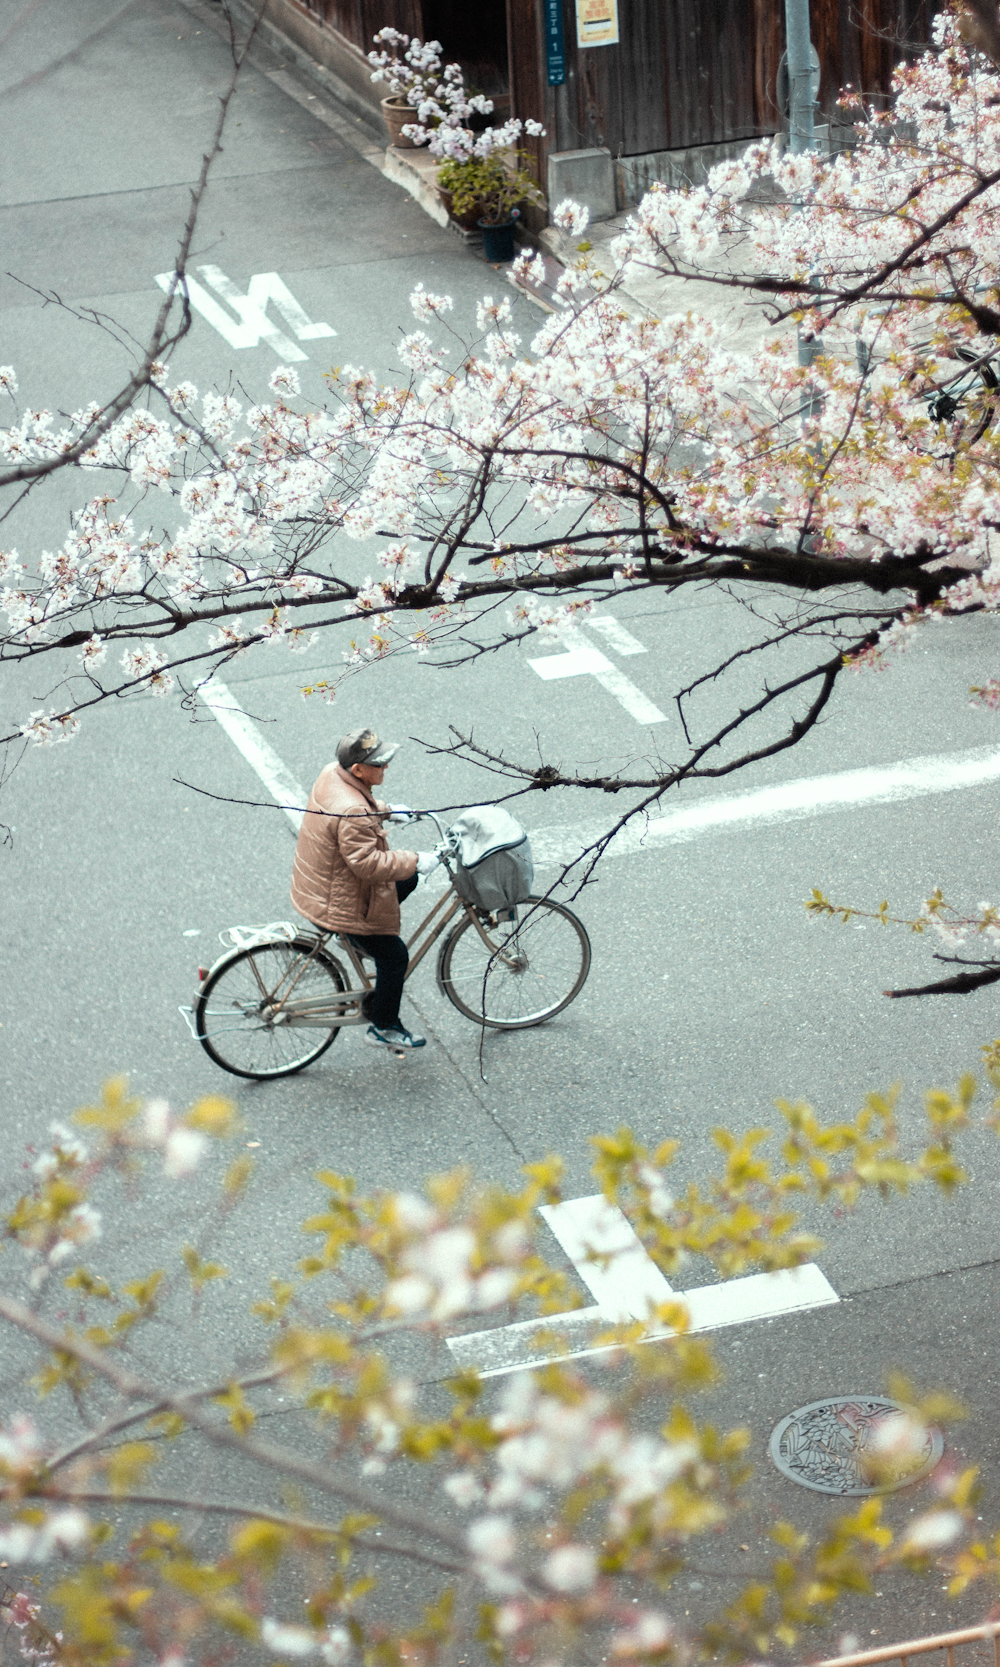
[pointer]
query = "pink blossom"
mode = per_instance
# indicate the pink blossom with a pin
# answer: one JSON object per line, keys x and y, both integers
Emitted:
{"x": 650, "y": 1631}
{"x": 571, "y": 217}
{"x": 285, "y": 380}
{"x": 335, "y": 1646}
{"x": 571, "y": 1569}
{"x": 932, "y": 1531}
{"x": 183, "y": 1152}
{"x": 48, "y": 728}
{"x": 284, "y": 1639}
{"x": 20, "y": 1447}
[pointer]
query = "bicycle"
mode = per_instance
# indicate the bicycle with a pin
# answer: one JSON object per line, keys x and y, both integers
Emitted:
{"x": 961, "y": 405}
{"x": 508, "y": 970}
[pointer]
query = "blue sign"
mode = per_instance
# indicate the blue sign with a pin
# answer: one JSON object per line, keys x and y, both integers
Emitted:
{"x": 555, "y": 51}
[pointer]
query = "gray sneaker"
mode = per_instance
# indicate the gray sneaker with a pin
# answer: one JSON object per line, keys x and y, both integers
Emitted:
{"x": 394, "y": 1037}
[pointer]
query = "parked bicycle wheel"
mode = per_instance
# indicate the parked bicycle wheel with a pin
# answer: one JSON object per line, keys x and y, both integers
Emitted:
{"x": 965, "y": 409}
{"x": 538, "y": 964}
{"x": 243, "y": 1013}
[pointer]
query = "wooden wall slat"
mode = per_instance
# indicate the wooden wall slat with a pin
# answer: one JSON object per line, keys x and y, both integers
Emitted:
{"x": 686, "y": 72}
{"x": 359, "y": 20}
{"x": 528, "y": 86}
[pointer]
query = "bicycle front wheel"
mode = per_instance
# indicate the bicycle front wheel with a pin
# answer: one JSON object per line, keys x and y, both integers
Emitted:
{"x": 243, "y": 1013}
{"x": 533, "y": 967}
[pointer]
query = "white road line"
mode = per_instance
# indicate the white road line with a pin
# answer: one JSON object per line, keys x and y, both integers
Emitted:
{"x": 591, "y": 1229}
{"x": 758, "y": 1296}
{"x": 615, "y": 635}
{"x": 590, "y": 662}
{"x": 912, "y": 778}
{"x": 262, "y": 759}
{"x": 808, "y": 796}
{"x": 254, "y": 325}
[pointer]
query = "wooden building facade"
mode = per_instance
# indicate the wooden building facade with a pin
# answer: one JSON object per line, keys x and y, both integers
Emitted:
{"x": 689, "y": 80}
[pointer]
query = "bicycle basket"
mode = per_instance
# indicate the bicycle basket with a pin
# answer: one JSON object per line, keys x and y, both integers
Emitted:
{"x": 493, "y": 868}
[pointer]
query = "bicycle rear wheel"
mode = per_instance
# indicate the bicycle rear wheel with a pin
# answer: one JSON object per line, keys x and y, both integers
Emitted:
{"x": 242, "y": 1013}
{"x": 538, "y": 965}
{"x": 966, "y": 408}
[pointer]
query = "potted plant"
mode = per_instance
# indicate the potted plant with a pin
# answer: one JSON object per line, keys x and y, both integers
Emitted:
{"x": 421, "y": 91}
{"x": 484, "y": 177}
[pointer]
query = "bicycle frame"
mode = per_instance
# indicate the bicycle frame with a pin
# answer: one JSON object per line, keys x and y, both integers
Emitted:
{"x": 317, "y": 1012}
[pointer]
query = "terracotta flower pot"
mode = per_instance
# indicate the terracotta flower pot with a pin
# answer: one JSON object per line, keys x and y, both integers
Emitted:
{"x": 469, "y": 220}
{"x": 398, "y": 114}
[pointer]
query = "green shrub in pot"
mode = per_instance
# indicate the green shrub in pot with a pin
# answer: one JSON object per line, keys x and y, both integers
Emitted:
{"x": 493, "y": 184}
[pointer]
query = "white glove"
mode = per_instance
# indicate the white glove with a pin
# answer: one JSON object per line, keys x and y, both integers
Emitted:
{"x": 401, "y": 813}
{"x": 427, "y": 861}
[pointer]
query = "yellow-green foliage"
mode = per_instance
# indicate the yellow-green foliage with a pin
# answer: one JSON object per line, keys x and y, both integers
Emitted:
{"x": 632, "y": 1479}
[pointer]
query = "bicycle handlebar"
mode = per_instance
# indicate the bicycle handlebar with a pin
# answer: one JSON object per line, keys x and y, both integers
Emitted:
{"x": 429, "y": 816}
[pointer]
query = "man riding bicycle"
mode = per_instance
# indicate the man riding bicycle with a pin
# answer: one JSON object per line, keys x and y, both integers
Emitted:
{"x": 346, "y": 879}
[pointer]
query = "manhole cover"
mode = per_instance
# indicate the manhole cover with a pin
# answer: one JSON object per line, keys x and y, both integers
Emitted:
{"x": 866, "y": 1444}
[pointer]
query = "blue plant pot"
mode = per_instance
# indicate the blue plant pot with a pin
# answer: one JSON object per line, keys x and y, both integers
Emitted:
{"x": 498, "y": 241}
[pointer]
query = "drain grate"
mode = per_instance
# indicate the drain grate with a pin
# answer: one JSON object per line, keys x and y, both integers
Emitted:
{"x": 854, "y": 1445}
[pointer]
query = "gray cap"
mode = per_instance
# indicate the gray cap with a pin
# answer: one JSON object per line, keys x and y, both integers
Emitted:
{"x": 363, "y": 746}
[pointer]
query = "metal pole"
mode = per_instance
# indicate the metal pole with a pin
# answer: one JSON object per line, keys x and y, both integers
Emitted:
{"x": 800, "y": 73}
{"x": 801, "y": 136}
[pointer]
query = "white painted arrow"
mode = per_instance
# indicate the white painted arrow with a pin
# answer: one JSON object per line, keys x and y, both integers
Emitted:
{"x": 251, "y": 325}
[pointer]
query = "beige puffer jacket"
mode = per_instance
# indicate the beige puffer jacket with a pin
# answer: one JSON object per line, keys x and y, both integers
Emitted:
{"x": 345, "y": 875}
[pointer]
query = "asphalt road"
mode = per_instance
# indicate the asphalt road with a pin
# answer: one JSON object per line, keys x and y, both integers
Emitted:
{"x": 711, "y": 993}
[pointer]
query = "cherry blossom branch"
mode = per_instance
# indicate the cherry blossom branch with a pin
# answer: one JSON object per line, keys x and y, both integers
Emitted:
{"x": 219, "y": 1434}
{"x": 262, "y": 1513}
{"x": 960, "y": 985}
{"x": 161, "y": 341}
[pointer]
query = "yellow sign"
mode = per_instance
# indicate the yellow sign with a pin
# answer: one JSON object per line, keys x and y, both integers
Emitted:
{"x": 597, "y": 22}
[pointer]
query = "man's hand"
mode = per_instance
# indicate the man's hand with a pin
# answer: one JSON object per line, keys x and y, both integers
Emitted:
{"x": 427, "y": 861}
{"x": 401, "y": 813}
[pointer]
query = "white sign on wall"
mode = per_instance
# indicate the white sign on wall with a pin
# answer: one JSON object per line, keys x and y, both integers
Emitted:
{"x": 597, "y": 22}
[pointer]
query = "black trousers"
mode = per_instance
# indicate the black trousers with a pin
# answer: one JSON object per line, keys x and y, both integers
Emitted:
{"x": 391, "y": 961}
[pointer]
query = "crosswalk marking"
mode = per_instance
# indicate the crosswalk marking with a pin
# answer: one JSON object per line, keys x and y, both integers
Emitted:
{"x": 789, "y": 801}
{"x": 591, "y": 1229}
{"x": 262, "y": 759}
{"x": 251, "y": 325}
{"x": 615, "y": 634}
{"x": 590, "y": 662}
{"x": 618, "y": 1271}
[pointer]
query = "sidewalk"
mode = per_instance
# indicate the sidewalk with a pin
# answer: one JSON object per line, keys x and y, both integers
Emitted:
{"x": 738, "y": 311}
{"x": 338, "y": 106}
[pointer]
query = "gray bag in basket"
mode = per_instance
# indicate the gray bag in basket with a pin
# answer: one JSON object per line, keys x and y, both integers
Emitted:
{"x": 494, "y": 870}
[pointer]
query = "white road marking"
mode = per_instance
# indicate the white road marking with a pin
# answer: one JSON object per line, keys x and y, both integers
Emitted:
{"x": 590, "y": 662}
{"x": 590, "y": 1229}
{"x": 758, "y": 1296}
{"x": 262, "y": 759}
{"x": 792, "y": 801}
{"x": 615, "y": 634}
{"x": 251, "y": 309}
